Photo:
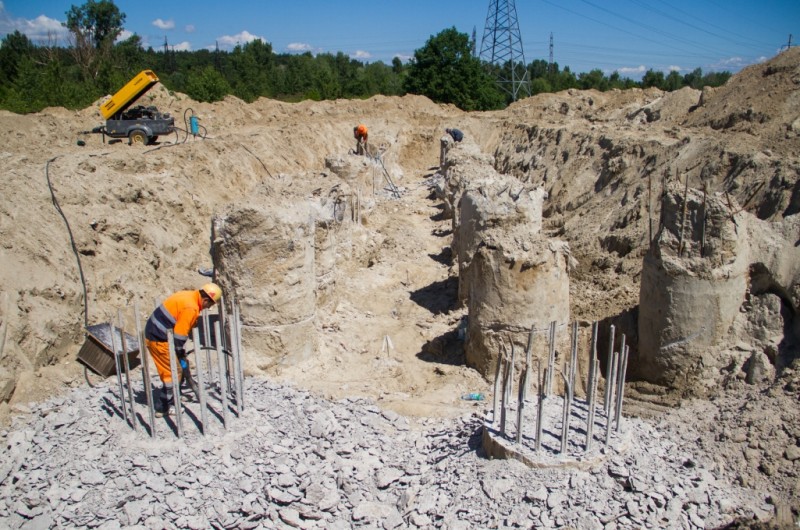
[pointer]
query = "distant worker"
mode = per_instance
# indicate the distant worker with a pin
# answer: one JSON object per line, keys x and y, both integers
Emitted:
{"x": 456, "y": 134}
{"x": 360, "y": 134}
{"x": 178, "y": 313}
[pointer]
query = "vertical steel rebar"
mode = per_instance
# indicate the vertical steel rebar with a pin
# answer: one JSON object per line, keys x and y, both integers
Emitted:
{"x": 240, "y": 368}
{"x": 619, "y": 375}
{"x": 510, "y": 389}
{"x": 528, "y": 360}
{"x": 496, "y": 388}
{"x": 201, "y": 384}
{"x": 127, "y": 364}
{"x": 590, "y": 418}
{"x": 592, "y": 371}
{"x": 207, "y": 344}
{"x": 223, "y": 383}
{"x": 540, "y": 408}
{"x": 176, "y": 383}
{"x": 145, "y": 356}
{"x": 609, "y": 413}
{"x": 551, "y": 359}
{"x": 235, "y": 353}
{"x": 504, "y": 397}
{"x": 623, "y": 368}
{"x": 523, "y": 383}
{"x": 573, "y": 363}
{"x": 565, "y": 414}
{"x": 607, "y": 397}
{"x": 113, "y": 337}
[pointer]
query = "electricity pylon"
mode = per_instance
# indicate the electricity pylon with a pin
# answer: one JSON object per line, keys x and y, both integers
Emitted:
{"x": 502, "y": 47}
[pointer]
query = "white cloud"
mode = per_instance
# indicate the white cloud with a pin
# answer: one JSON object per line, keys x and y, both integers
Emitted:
{"x": 189, "y": 28}
{"x": 184, "y": 46}
{"x": 40, "y": 29}
{"x": 299, "y": 47}
{"x": 164, "y": 24}
{"x": 124, "y": 35}
{"x": 230, "y": 41}
{"x": 632, "y": 70}
{"x": 361, "y": 54}
{"x": 403, "y": 58}
{"x": 673, "y": 68}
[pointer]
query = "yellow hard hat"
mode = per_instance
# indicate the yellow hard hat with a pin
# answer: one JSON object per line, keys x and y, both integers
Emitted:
{"x": 213, "y": 291}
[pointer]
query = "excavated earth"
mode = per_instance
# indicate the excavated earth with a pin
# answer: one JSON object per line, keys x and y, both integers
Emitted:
{"x": 365, "y": 432}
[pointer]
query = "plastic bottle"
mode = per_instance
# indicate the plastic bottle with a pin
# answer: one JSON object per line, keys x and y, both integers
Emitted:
{"x": 472, "y": 396}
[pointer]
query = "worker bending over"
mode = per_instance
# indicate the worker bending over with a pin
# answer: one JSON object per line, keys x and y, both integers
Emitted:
{"x": 178, "y": 313}
{"x": 360, "y": 134}
{"x": 455, "y": 134}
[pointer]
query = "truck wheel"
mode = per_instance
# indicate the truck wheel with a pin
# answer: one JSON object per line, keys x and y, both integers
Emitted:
{"x": 137, "y": 138}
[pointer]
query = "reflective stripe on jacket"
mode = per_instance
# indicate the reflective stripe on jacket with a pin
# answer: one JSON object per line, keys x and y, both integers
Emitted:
{"x": 178, "y": 313}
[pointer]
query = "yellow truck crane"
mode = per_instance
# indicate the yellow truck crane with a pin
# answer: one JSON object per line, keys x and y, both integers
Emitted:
{"x": 139, "y": 124}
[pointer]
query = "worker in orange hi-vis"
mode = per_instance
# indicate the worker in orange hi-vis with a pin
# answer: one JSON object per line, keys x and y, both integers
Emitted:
{"x": 178, "y": 313}
{"x": 360, "y": 134}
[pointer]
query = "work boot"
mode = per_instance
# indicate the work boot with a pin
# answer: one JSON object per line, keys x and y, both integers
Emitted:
{"x": 165, "y": 409}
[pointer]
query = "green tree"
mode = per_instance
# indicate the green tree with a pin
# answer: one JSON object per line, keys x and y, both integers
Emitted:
{"x": 207, "y": 85}
{"x": 651, "y": 78}
{"x": 14, "y": 48}
{"x": 94, "y": 27}
{"x": 694, "y": 79}
{"x": 594, "y": 79}
{"x": 673, "y": 81}
{"x": 249, "y": 69}
{"x": 445, "y": 71}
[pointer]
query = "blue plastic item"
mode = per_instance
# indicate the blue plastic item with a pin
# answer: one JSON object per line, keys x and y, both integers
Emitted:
{"x": 194, "y": 126}
{"x": 473, "y": 396}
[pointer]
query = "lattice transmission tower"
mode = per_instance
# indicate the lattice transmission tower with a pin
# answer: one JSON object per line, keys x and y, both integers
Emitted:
{"x": 502, "y": 47}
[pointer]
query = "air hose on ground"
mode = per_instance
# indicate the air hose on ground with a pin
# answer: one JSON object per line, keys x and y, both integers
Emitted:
{"x": 74, "y": 251}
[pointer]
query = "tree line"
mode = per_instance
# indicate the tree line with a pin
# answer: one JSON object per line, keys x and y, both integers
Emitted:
{"x": 95, "y": 63}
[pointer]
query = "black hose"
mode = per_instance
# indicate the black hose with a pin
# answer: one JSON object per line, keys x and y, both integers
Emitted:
{"x": 72, "y": 242}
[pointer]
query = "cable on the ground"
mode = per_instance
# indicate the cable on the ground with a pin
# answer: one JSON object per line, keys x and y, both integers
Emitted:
{"x": 71, "y": 240}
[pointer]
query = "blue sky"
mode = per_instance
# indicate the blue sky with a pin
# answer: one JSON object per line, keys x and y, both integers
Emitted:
{"x": 628, "y": 36}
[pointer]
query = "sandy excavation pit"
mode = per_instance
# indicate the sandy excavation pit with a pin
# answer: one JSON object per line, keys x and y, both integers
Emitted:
{"x": 366, "y": 320}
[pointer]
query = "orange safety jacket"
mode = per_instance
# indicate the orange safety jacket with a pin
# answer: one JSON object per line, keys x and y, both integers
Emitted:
{"x": 178, "y": 313}
{"x": 361, "y": 132}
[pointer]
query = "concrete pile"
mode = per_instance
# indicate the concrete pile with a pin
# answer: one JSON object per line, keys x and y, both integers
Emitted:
{"x": 297, "y": 461}
{"x": 511, "y": 277}
{"x": 265, "y": 259}
{"x": 716, "y": 294}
